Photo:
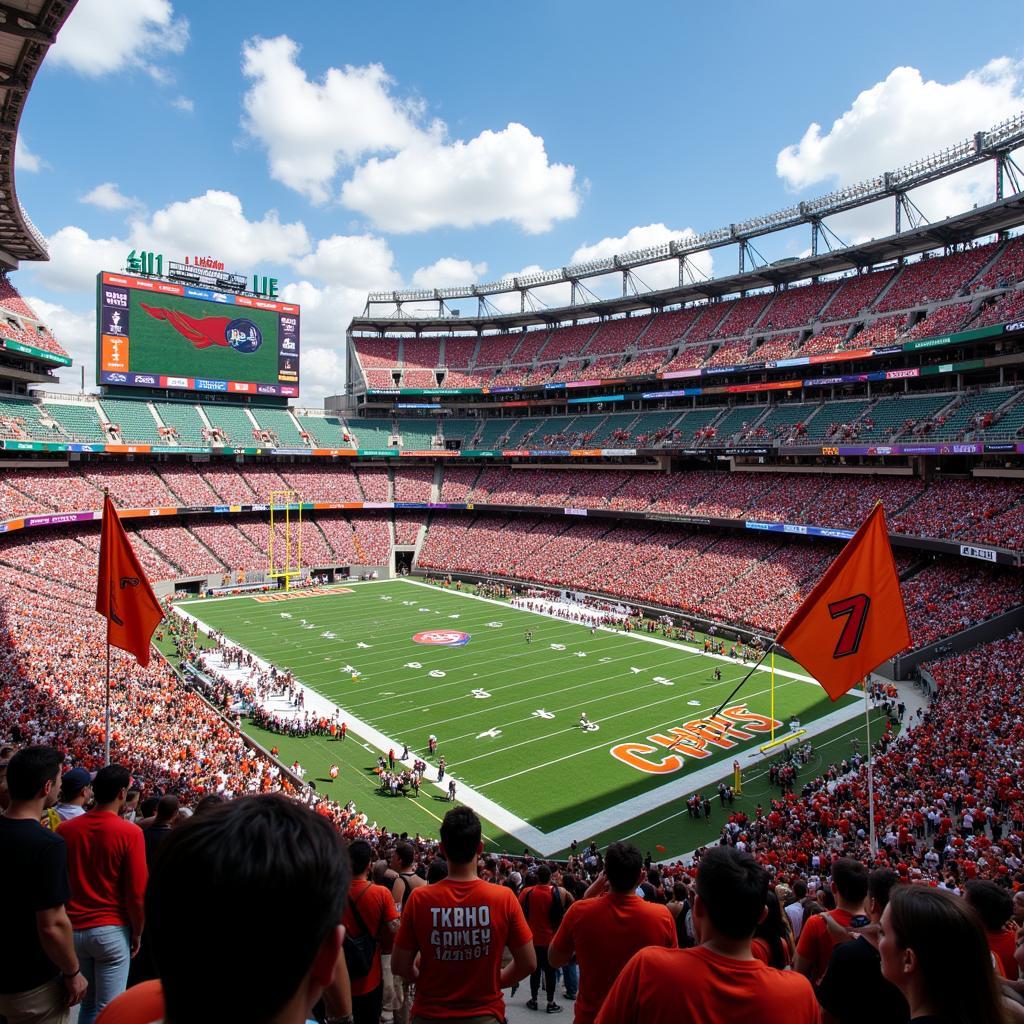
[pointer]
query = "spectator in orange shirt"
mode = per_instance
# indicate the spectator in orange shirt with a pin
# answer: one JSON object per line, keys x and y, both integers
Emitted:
{"x": 994, "y": 905}
{"x": 607, "y": 926}
{"x": 814, "y": 950}
{"x": 544, "y": 906}
{"x": 719, "y": 980}
{"x": 370, "y": 910}
{"x": 933, "y": 949}
{"x": 460, "y": 926}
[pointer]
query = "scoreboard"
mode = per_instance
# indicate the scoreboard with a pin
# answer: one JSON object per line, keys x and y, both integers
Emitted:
{"x": 154, "y": 333}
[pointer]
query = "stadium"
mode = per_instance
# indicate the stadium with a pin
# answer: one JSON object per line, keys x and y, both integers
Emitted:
{"x": 534, "y": 558}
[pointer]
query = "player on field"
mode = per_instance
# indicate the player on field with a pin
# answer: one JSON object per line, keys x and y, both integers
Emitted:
{"x": 529, "y": 636}
{"x": 333, "y": 772}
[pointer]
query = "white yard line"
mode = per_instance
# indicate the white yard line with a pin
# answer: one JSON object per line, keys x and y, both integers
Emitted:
{"x": 547, "y": 843}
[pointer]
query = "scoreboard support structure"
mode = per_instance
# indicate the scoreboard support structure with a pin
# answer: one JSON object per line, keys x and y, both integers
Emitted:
{"x": 285, "y": 556}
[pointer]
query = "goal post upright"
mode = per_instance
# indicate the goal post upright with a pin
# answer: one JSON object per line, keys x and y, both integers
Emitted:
{"x": 287, "y": 563}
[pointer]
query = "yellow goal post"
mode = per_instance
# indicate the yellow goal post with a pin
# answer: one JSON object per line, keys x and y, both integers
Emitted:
{"x": 284, "y": 555}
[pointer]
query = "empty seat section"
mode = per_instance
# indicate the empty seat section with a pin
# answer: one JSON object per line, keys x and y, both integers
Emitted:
{"x": 735, "y": 420}
{"x": 461, "y": 430}
{"x": 782, "y": 422}
{"x": 20, "y": 418}
{"x": 371, "y": 433}
{"x": 326, "y": 431}
{"x": 970, "y": 415}
{"x": 894, "y": 415}
{"x": 693, "y": 423}
{"x": 833, "y": 417}
{"x": 232, "y": 421}
{"x": 135, "y": 420}
{"x": 280, "y": 423}
{"x": 80, "y": 420}
{"x": 417, "y": 433}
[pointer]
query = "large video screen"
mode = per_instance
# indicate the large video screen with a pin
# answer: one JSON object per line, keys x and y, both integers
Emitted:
{"x": 159, "y": 334}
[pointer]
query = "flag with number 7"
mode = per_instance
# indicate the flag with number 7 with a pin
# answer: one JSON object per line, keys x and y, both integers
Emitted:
{"x": 854, "y": 619}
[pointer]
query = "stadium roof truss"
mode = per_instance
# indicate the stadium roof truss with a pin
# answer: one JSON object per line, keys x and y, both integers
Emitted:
{"x": 828, "y": 253}
{"x": 28, "y": 28}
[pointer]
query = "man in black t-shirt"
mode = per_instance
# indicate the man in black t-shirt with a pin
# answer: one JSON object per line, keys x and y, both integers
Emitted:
{"x": 853, "y": 990}
{"x": 39, "y": 975}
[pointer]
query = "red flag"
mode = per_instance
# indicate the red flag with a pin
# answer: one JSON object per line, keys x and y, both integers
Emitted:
{"x": 854, "y": 619}
{"x": 123, "y": 594}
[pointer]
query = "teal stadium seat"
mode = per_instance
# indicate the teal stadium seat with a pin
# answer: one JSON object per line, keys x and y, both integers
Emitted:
{"x": 134, "y": 418}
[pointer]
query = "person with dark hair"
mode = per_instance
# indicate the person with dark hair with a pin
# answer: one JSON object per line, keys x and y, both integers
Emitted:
{"x": 107, "y": 868}
{"x": 208, "y": 803}
{"x": 719, "y": 980}
{"x": 403, "y": 859}
{"x": 795, "y": 910}
{"x": 853, "y": 989}
{"x": 282, "y": 872}
{"x": 932, "y": 948}
{"x": 166, "y": 814}
{"x": 773, "y": 941}
{"x": 39, "y": 970}
{"x": 544, "y": 905}
{"x": 369, "y": 911}
{"x": 994, "y": 905}
{"x": 814, "y": 950}
{"x": 459, "y": 927}
{"x": 607, "y": 926}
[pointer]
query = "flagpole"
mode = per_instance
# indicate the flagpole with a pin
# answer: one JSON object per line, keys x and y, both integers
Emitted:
{"x": 739, "y": 685}
{"x": 106, "y": 713}
{"x": 872, "y": 841}
{"x": 773, "y": 696}
{"x": 106, "y": 700}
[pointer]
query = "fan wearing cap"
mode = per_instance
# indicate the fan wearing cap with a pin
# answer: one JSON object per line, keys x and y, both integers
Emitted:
{"x": 75, "y": 793}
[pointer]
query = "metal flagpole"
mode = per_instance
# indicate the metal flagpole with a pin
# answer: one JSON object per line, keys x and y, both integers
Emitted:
{"x": 872, "y": 841}
{"x": 106, "y": 710}
{"x": 773, "y": 696}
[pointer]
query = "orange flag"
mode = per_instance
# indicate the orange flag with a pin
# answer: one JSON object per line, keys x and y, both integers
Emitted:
{"x": 854, "y": 618}
{"x": 123, "y": 594}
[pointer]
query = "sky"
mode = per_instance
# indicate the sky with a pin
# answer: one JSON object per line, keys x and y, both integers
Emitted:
{"x": 349, "y": 147}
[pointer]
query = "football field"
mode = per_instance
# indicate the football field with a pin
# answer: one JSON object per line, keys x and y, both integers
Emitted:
{"x": 506, "y": 711}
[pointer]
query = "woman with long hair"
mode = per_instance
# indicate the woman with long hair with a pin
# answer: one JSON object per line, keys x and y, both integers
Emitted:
{"x": 934, "y": 951}
{"x": 773, "y": 937}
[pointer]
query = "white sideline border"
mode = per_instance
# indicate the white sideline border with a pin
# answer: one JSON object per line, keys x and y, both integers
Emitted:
{"x": 548, "y": 843}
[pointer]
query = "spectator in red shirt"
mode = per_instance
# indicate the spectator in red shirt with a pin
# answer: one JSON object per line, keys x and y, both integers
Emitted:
{"x": 607, "y": 926}
{"x": 248, "y": 891}
{"x": 107, "y": 870}
{"x": 933, "y": 949}
{"x": 460, "y": 926}
{"x": 719, "y": 980}
{"x": 370, "y": 910}
{"x": 543, "y": 905}
{"x": 850, "y": 888}
{"x": 994, "y": 905}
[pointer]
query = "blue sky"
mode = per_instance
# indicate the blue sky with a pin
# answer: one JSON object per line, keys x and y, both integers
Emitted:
{"x": 469, "y": 141}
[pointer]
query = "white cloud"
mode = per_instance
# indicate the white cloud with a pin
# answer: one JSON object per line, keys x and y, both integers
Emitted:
{"x": 25, "y": 159}
{"x": 187, "y": 228}
{"x": 180, "y": 229}
{"x": 312, "y": 129}
{"x": 408, "y": 175}
{"x": 357, "y": 261}
{"x": 896, "y": 121}
{"x": 108, "y": 196}
{"x": 326, "y": 313}
{"x": 448, "y": 272}
{"x": 655, "y": 276}
{"x": 77, "y": 333}
{"x": 105, "y": 36}
{"x": 503, "y": 175}
{"x": 184, "y": 104}
{"x": 323, "y": 373}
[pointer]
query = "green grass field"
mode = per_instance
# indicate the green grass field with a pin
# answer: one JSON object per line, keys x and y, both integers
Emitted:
{"x": 506, "y": 712}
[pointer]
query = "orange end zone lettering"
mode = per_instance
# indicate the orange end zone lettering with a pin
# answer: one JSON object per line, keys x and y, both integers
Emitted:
{"x": 629, "y": 753}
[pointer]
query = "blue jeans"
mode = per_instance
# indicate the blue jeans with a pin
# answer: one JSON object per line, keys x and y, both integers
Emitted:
{"x": 571, "y": 978}
{"x": 104, "y": 955}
